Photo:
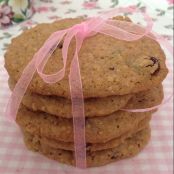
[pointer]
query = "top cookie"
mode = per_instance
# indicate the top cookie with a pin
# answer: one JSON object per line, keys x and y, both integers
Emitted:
{"x": 108, "y": 66}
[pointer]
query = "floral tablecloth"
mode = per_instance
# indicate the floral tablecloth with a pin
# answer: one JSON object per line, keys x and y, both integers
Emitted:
{"x": 156, "y": 158}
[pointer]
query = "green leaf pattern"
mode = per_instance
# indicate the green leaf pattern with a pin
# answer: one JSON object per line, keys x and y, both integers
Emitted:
{"x": 21, "y": 9}
{"x": 114, "y": 3}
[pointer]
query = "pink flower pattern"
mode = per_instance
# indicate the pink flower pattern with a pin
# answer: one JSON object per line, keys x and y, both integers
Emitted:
{"x": 54, "y": 17}
{"x": 42, "y": 9}
{"x": 90, "y": 4}
{"x": 27, "y": 23}
{"x": 170, "y": 1}
{"x": 5, "y": 15}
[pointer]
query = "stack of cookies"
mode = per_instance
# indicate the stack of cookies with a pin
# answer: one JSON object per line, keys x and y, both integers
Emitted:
{"x": 116, "y": 75}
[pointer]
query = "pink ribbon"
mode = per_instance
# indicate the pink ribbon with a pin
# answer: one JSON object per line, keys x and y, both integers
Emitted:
{"x": 102, "y": 24}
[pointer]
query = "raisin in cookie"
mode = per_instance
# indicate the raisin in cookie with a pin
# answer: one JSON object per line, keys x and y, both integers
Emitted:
{"x": 108, "y": 66}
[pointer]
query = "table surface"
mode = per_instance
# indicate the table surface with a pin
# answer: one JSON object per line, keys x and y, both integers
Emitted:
{"x": 156, "y": 158}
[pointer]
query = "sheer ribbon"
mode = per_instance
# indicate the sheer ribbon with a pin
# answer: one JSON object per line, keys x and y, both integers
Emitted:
{"x": 102, "y": 24}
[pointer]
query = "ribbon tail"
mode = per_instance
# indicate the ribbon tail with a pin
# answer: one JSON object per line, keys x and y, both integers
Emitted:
{"x": 164, "y": 42}
{"x": 19, "y": 90}
{"x": 37, "y": 63}
{"x": 165, "y": 101}
{"x": 78, "y": 109}
{"x": 113, "y": 13}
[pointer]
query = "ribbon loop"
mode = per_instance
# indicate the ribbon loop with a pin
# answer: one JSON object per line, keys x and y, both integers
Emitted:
{"x": 44, "y": 54}
{"x": 82, "y": 29}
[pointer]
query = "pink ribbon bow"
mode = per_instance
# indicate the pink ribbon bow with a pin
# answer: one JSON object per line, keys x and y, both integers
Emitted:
{"x": 103, "y": 24}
